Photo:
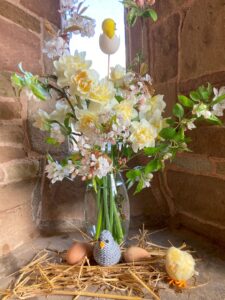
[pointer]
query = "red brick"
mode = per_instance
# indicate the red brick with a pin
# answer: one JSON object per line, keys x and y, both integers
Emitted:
{"x": 21, "y": 170}
{"x": 164, "y": 39}
{"x": 10, "y": 134}
{"x": 18, "y": 45}
{"x": 47, "y": 9}
{"x": 166, "y": 8}
{"x": 195, "y": 164}
{"x": 9, "y": 153}
{"x": 19, "y": 16}
{"x": 202, "y": 39}
{"x": 10, "y": 110}
{"x": 201, "y": 196}
{"x": 15, "y": 194}
{"x": 208, "y": 140}
{"x": 16, "y": 227}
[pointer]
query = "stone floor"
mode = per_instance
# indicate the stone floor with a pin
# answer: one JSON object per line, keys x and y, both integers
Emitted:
{"x": 211, "y": 265}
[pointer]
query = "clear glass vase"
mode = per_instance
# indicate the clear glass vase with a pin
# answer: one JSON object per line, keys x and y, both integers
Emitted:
{"x": 107, "y": 207}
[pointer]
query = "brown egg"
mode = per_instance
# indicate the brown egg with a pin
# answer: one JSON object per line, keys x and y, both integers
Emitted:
{"x": 133, "y": 254}
{"x": 77, "y": 252}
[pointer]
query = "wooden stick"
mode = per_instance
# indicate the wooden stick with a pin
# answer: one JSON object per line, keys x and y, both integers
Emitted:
{"x": 144, "y": 285}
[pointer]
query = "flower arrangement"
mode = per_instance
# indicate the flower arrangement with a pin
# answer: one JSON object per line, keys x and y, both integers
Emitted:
{"x": 109, "y": 122}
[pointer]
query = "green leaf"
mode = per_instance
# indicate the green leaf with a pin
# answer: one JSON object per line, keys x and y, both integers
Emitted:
{"x": 194, "y": 95}
{"x": 171, "y": 121}
{"x": 203, "y": 92}
{"x": 167, "y": 133}
{"x": 132, "y": 16}
{"x": 153, "y": 166}
{"x": 51, "y": 141}
{"x": 178, "y": 110}
{"x": 214, "y": 120}
{"x": 17, "y": 81}
{"x": 39, "y": 91}
{"x": 119, "y": 98}
{"x": 185, "y": 101}
{"x": 210, "y": 89}
{"x": 179, "y": 137}
{"x": 150, "y": 13}
{"x": 150, "y": 151}
{"x": 218, "y": 99}
{"x": 132, "y": 174}
{"x": 139, "y": 186}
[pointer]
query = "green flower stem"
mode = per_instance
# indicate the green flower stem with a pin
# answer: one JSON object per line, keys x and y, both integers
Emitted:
{"x": 118, "y": 225}
{"x": 100, "y": 214}
{"x": 111, "y": 178}
{"x": 105, "y": 200}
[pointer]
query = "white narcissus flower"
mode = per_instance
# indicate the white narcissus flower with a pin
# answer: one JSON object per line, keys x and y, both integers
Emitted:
{"x": 143, "y": 134}
{"x": 67, "y": 66}
{"x": 87, "y": 121}
{"x": 151, "y": 105}
{"x": 83, "y": 81}
{"x": 102, "y": 92}
{"x": 125, "y": 110}
{"x": 61, "y": 109}
{"x": 41, "y": 120}
{"x": 107, "y": 45}
{"x": 117, "y": 75}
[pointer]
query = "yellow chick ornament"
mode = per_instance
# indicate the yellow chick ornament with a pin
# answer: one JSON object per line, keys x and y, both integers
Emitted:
{"x": 109, "y": 27}
{"x": 180, "y": 266}
{"x": 109, "y": 42}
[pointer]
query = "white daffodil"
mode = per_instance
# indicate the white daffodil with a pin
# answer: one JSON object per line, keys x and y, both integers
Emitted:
{"x": 41, "y": 120}
{"x": 61, "y": 109}
{"x": 102, "y": 92}
{"x": 125, "y": 110}
{"x": 67, "y": 66}
{"x": 143, "y": 134}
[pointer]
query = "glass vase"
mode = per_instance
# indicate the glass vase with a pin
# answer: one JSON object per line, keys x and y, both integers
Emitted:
{"x": 107, "y": 207}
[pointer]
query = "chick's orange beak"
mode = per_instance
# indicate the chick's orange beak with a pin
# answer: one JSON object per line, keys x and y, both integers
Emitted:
{"x": 102, "y": 244}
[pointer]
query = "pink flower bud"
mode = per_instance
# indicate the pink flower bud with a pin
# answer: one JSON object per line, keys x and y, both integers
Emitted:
{"x": 140, "y": 3}
{"x": 150, "y": 2}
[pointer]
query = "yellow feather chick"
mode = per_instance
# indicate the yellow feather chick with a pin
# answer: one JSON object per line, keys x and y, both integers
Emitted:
{"x": 180, "y": 266}
{"x": 109, "y": 27}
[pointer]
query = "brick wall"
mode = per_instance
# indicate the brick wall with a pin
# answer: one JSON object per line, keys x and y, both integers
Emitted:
{"x": 21, "y": 38}
{"x": 185, "y": 48}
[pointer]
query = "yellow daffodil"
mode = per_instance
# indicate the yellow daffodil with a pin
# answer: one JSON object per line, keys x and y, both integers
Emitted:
{"x": 67, "y": 66}
{"x": 125, "y": 110}
{"x": 83, "y": 81}
{"x": 143, "y": 135}
{"x": 102, "y": 92}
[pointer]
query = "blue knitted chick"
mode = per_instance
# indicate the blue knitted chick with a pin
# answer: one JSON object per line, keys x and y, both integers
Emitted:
{"x": 106, "y": 250}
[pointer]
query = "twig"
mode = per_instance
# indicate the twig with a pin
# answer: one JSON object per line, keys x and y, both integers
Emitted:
{"x": 144, "y": 285}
